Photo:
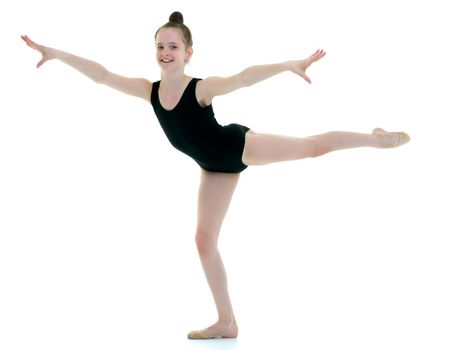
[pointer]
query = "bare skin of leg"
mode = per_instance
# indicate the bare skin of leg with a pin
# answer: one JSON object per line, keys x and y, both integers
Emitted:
{"x": 215, "y": 193}
{"x": 262, "y": 149}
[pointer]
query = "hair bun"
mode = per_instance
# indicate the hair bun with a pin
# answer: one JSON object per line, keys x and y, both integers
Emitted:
{"x": 176, "y": 17}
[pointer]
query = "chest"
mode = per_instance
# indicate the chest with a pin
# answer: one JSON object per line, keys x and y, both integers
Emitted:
{"x": 169, "y": 100}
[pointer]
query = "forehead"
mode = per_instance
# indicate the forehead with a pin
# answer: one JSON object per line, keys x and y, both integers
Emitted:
{"x": 169, "y": 35}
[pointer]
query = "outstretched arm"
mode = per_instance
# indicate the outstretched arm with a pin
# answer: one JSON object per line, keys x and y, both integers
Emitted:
{"x": 255, "y": 74}
{"x": 93, "y": 70}
{"x": 215, "y": 86}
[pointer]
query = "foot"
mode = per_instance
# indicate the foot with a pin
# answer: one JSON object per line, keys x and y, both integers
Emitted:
{"x": 391, "y": 139}
{"x": 216, "y": 331}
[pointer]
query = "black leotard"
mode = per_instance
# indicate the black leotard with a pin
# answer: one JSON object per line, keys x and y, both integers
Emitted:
{"x": 193, "y": 130}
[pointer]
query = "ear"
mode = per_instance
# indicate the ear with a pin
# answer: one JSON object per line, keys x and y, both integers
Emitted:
{"x": 188, "y": 54}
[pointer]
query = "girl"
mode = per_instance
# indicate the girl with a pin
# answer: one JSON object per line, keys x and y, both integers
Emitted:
{"x": 183, "y": 106}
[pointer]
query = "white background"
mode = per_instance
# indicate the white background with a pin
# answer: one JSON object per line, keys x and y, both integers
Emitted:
{"x": 361, "y": 249}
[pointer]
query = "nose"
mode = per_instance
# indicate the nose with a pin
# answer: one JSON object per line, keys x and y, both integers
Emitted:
{"x": 165, "y": 51}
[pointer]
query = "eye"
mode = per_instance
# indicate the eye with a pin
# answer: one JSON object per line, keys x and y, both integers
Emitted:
{"x": 173, "y": 47}
{"x": 160, "y": 47}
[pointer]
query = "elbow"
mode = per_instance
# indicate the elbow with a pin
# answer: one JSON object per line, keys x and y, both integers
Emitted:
{"x": 243, "y": 79}
{"x": 101, "y": 76}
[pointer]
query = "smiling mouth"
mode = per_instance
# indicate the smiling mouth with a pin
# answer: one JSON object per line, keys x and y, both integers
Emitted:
{"x": 166, "y": 60}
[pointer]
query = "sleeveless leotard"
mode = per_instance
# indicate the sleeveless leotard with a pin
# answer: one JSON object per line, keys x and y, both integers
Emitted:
{"x": 193, "y": 130}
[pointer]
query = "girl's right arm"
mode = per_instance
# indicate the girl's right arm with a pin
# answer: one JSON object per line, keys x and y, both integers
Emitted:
{"x": 132, "y": 86}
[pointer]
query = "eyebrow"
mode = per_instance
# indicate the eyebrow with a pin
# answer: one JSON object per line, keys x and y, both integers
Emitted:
{"x": 171, "y": 42}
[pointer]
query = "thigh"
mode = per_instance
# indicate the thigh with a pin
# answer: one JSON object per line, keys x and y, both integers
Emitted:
{"x": 263, "y": 148}
{"x": 215, "y": 193}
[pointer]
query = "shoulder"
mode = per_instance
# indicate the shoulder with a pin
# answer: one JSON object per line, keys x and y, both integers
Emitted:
{"x": 202, "y": 92}
{"x": 154, "y": 88}
{"x": 155, "y": 84}
{"x": 138, "y": 87}
{"x": 216, "y": 86}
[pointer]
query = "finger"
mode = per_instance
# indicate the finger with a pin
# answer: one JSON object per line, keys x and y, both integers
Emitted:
{"x": 316, "y": 56}
{"x": 313, "y": 55}
{"x": 41, "y": 62}
{"x": 25, "y": 39}
{"x": 320, "y": 55}
{"x": 307, "y": 79}
{"x": 30, "y": 43}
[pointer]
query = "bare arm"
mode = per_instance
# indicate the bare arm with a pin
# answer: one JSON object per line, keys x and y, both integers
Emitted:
{"x": 215, "y": 86}
{"x": 133, "y": 86}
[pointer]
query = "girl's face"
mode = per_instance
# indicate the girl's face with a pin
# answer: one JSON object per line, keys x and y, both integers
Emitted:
{"x": 171, "y": 51}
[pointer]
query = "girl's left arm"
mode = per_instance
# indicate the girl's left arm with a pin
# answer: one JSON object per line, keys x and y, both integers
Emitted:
{"x": 216, "y": 86}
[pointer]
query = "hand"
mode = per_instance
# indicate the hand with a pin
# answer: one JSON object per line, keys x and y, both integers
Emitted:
{"x": 300, "y": 67}
{"x": 46, "y": 52}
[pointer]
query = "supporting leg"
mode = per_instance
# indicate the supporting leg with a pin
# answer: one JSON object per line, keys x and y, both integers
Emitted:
{"x": 215, "y": 194}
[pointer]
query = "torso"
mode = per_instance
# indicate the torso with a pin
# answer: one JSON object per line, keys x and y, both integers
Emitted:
{"x": 193, "y": 129}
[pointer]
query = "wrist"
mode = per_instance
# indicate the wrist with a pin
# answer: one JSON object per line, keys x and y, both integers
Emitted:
{"x": 287, "y": 66}
{"x": 54, "y": 53}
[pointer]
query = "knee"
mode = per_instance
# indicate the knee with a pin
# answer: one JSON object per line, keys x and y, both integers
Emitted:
{"x": 206, "y": 243}
{"x": 314, "y": 148}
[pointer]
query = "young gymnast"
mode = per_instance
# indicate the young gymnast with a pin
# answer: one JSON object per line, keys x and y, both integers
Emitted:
{"x": 183, "y": 106}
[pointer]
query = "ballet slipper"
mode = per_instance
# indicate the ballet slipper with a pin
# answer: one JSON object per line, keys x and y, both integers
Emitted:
{"x": 402, "y": 139}
{"x": 199, "y": 335}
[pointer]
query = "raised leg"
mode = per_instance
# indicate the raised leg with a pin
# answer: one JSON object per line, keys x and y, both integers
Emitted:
{"x": 262, "y": 149}
{"x": 215, "y": 193}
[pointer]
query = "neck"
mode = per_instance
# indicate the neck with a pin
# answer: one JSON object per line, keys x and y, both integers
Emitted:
{"x": 173, "y": 79}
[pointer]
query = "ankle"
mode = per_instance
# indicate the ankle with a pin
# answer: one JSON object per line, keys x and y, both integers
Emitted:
{"x": 226, "y": 320}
